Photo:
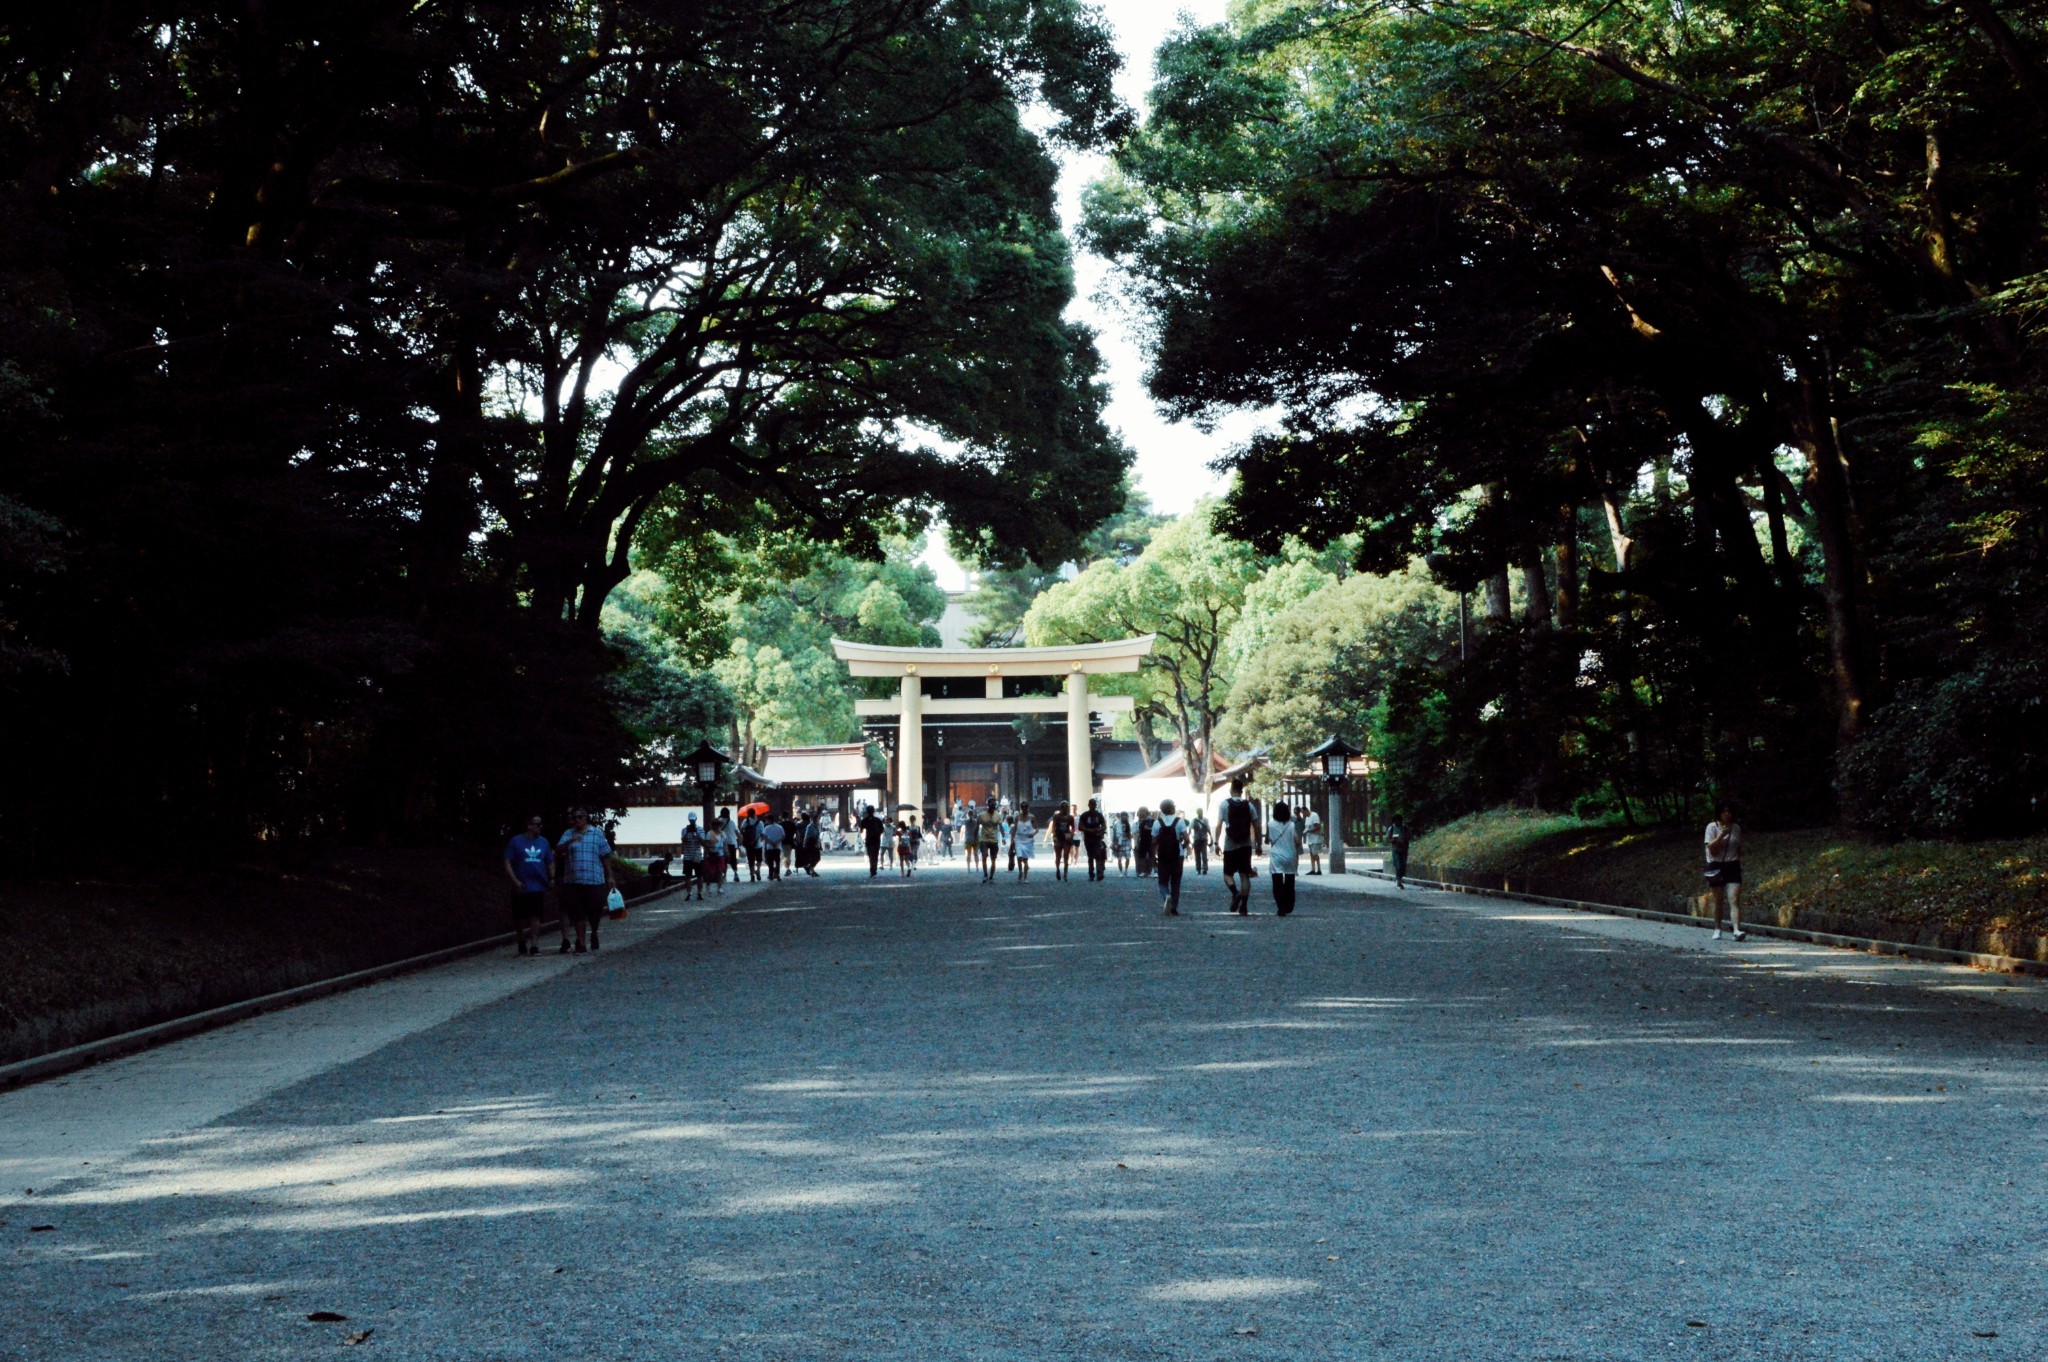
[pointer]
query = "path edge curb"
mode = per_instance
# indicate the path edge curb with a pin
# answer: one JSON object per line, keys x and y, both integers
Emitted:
{"x": 74, "y": 1057}
{"x": 1940, "y": 955}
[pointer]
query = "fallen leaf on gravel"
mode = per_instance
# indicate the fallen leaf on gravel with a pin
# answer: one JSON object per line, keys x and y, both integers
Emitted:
{"x": 1695, "y": 1324}
{"x": 1244, "y": 1333}
{"x": 353, "y": 1339}
{"x": 326, "y": 1317}
{"x": 38, "y": 1229}
{"x": 1126, "y": 1167}
{"x": 1977, "y": 1333}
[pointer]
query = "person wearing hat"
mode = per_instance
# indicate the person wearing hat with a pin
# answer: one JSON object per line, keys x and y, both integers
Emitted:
{"x": 693, "y": 859}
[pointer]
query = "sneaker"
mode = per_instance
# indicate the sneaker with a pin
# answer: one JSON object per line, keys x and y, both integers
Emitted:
{"x": 564, "y": 950}
{"x": 580, "y": 951}
{"x": 1717, "y": 933}
{"x": 1741, "y": 935}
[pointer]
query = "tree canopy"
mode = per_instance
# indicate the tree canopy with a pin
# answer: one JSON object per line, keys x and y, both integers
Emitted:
{"x": 1715, "y": 324}
{"x": 351, "y": 350}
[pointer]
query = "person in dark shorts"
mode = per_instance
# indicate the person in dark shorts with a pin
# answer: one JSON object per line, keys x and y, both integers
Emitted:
{"x": 1239, "y": 820}
{"x": 1094, "y": 830}
{"x": 1397, "y": 850}
{"x": 583, "y": 858}
{"x": 1198, "y": 842}
{"x": 1724, "y": 870}
{"x": 530, "y": 862}
{"x": 1061, "y": 826}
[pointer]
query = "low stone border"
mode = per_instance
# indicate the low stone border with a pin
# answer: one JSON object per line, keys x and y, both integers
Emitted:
{"x": 2003, "y": 964}
{"x": 177, "y": 1028}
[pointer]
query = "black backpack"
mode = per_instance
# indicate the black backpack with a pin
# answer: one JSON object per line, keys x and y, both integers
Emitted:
{"x": 1237, "y": 818}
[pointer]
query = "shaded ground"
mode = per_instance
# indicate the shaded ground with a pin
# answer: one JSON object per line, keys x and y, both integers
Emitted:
{"x": 1976, "y": 896}
{"x": 954, "y": 1121}
{"x": 122, "y": 950}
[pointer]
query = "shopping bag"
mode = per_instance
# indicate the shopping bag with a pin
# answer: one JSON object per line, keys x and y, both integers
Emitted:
{"x": 615, "y": 905}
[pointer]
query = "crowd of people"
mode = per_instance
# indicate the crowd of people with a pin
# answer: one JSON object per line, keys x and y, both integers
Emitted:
{"x": 753, "y": 844}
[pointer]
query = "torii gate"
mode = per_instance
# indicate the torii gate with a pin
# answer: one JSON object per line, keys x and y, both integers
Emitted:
{"x": 911, "y": 665}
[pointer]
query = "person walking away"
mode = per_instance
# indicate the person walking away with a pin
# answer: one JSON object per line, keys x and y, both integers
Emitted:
{"x": 1009, "y": 836}
{"x": 946, "y": 840}
{"x": 991, "y": 837}
{"x": 1141, "y": 842}
{"x": 1241, "y": 837}
{"x": 1312, "y": 841}
{"x": 1023, "y": 841}
{"x": 693, "y": 859}
{"x": 1062, "y": 826}
{"x": 1168, "y": 839}
{"x": 584, "y": 860}
{"x": 1724, "y": 870}
{"x": 871, "y": 831}
{"x": 1283, "y": 857}
{"x": 729, "y": 844}
{"x": 772, "y": 836}
{"x": 1397, "y": 850}
{"x": 1094, "y": 829}
{"x": 811, "y": 844}
{"x": 913, "y": 847}
{"x": 1198, "y": 842}
{"x": 530, "y": 862}
{"x": 750, "y": 842}
{"x": 1120, "y": 842}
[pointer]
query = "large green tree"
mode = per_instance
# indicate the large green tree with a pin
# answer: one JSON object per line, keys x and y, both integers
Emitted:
{"x": 1507, "y": 268}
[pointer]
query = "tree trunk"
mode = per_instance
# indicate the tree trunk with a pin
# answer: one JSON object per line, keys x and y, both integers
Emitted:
{"x": 1828, "y": 493}
{"x": 1567, "y": 554}
{"x": 1535, "y": 588}
{"x": 1499, "y": 595}
{"x": 1781, "y": 547}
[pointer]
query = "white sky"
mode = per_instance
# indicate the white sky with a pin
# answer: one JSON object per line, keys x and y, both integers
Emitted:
{"x": 1172, "y": 458}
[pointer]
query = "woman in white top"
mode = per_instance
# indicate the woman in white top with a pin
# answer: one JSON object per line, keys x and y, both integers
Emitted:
{"x": 1283, "y": 856}
{"x": 1724, "y": 870}
{"x": 1023, "y": 839}
{"x": 1312, "y": 841}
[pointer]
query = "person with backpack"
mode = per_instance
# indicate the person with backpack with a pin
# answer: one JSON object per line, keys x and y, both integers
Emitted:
{"x": 693, "y": 859}
{"x": 1141, "y": 842}
{"x": 1283, "y": 857}
{"x": 750, "y": 842}
{"x": 1168, "y": 839}
{"x": 1242, "y": 836}
{"x": 1094, "y": 828}
{"x": 1198, "y": 842}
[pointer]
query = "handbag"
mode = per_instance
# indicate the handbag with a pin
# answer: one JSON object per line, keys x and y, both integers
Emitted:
{"x": 615, "y": 904}
{"x": 1716, "y": 875}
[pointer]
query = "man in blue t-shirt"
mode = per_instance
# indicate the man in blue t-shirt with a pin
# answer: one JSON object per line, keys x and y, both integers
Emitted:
{"x": 530, "y": 862}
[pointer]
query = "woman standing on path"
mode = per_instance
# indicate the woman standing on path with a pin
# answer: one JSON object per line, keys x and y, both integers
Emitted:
{"x": 1724, "y": 870}
{"x": 1312, "y": 841}
{"x": 1023, "y": 839}
{"x": 1120, "y": 842}
{"x": 1283, "y": 857}
{"x": 1141, "y": 835}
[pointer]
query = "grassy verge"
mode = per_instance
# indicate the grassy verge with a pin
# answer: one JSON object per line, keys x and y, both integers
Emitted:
{"x": 1979, "y": 896}
{"x": 99, "y": 955}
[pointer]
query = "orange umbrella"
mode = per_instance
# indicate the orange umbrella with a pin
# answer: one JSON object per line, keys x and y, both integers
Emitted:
{"x": 757, "y": 808}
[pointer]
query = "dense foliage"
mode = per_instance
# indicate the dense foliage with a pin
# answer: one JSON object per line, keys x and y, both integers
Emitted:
{"x": 348, "y": 352}
{"x": 1709, "y": 333}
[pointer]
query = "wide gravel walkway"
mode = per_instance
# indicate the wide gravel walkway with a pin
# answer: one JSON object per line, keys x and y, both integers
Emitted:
{"x": 953, "y": 1121}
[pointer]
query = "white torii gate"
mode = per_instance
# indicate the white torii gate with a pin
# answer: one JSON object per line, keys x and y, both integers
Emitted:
{"x": 911, "y": 665}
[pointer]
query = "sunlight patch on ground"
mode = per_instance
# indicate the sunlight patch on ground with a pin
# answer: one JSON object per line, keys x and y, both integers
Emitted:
{"x": 1230, "y": 1289}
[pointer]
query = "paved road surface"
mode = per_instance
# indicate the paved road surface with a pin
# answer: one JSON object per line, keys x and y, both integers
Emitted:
{"x": 950, "y": 1121}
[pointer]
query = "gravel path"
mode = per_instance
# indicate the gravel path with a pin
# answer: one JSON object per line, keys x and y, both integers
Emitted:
{"x": 953, "y": 1121}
